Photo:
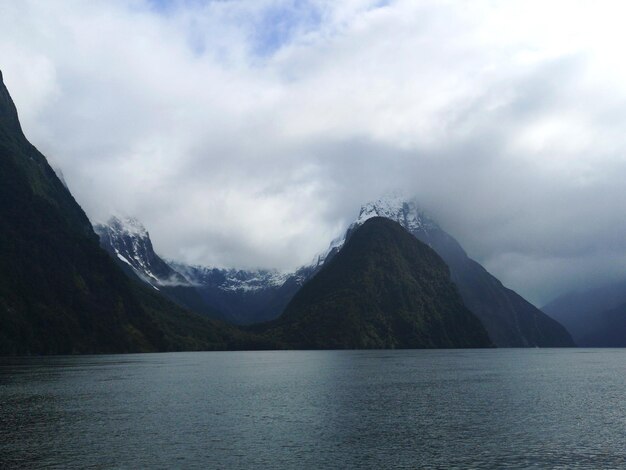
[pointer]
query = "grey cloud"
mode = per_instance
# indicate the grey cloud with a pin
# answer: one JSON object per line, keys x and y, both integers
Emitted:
{"x": 236, "y": 154}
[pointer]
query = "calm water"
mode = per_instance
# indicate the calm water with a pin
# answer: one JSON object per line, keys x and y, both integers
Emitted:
{"x": 348, "y": 409}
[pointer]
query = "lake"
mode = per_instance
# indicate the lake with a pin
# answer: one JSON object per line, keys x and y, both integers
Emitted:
{"x": 316, "y": 409}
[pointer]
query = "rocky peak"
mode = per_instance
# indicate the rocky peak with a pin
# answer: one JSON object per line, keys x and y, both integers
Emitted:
{"x": 128, "y": 240}
{"x": 393, "y": 206}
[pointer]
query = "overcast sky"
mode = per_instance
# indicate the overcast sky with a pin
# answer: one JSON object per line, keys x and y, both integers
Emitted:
{"x": 248, "y": 133}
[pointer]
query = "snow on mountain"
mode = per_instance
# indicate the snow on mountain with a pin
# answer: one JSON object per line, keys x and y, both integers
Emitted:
{"x": 395, "y": 207}
{"x": 406, "y": 212}
{"x": 129, "y": 226}
{"x": 240, "y": 296}
{"x": 232, "y": 279}
{"x": 129, "y": 241}
{"x": 252, "y": 296}
{"x": 333, "y": 248}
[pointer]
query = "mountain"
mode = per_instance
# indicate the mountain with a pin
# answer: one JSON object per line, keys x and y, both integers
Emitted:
{"x": 234, "y": 295}
{"x": 245, "y": 296}
{"x": 59, "y": 291}
{"x": 383, "y": 289}
{"x": 510, "y": 320}
{"x": 129, "y": 243}
{"x": 593, "y": 316}
{"x": 608, "y": 330}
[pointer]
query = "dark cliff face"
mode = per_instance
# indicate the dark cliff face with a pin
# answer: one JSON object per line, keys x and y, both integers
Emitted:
{"x": 383, "y": 289}
{"x": 34, "y": 175}
{"x": 59, "y": 292}
{"x": 509, "y": 319}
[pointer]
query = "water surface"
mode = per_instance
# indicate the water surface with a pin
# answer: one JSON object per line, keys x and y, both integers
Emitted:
{"x": 324, "y": 409}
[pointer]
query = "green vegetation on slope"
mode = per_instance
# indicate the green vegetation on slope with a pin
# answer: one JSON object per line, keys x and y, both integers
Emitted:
{"x": 384, "y": 289}
{"x": 59, "y": 292}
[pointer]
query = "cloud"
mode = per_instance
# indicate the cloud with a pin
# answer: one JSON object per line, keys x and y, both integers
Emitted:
{"x": 248, "y": 133}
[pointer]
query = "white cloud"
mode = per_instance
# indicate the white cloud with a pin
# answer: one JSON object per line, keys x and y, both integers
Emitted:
{"x": 248, "y": 133}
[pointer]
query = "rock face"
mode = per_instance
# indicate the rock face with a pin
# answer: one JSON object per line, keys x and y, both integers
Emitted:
{"x": 128, "y": 242}
{"x": 234, "y": 295}
{"x": 510, "y": 320}
{"x": 383, "y": 289}
{"x": 59, "y": 292}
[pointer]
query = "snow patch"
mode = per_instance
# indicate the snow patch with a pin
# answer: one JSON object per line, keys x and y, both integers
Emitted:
{"x": 393, "y": 206}
{"x": 233, "y": 279}
{"x": 124, "y": 259}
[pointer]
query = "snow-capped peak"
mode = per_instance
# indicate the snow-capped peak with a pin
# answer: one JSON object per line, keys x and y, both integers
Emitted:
{"x": 128, "y": 240}
{"x": 128, "y": 226}
{"x": 393, "y": 206}
{"x": 404, "y": 211}
{"x": 334, "y": 246}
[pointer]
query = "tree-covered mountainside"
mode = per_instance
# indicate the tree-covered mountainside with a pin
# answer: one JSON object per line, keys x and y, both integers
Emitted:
{"x": 383, "y": 289}
{"x": 510, "y": 320}
{"x": 61, "y": 293}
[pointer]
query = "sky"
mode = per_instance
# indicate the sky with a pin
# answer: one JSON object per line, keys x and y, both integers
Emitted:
{"x": 248, "y": 133}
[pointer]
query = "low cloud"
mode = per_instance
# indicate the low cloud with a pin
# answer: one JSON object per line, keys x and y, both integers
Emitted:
{"x": 247, "y": 134}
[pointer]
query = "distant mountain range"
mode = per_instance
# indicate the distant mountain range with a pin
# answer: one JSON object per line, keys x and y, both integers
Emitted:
{"x": 384, "y": 284}
{"x": 247, "y": 297}
{"x": 234, "y": 295}
{"x": 595, "y": 317}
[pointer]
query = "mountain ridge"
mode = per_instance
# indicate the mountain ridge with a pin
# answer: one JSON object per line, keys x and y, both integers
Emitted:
{"x": 510, "y": 320}
{"x": 593, "y": 315}
{"x": 60, "y": 293}
{"x": 235, "y": 295}
{"x": 383, "y": 289}
{"x": 247, "y": 297}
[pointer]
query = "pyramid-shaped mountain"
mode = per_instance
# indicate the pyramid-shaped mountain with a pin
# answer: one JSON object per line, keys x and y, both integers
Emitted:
{"x": 510, "y": 320}
{"x": 383, "y": 289}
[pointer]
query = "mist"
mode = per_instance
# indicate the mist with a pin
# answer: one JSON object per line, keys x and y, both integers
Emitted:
{"x": 248, "y": 134}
